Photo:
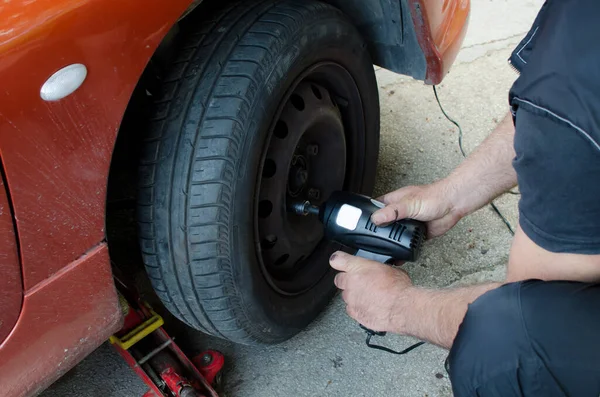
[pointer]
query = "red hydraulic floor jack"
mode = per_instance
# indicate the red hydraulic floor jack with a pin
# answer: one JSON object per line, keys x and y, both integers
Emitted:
{"x": 157, "y": 360}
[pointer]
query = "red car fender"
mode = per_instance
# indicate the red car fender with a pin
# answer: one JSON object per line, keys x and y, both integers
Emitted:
{"x": 441, "y": 26}
{"x": 56, "y": 157}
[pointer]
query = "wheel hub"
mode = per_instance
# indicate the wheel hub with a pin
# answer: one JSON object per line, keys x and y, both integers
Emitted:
{"x": 298, "y": 175}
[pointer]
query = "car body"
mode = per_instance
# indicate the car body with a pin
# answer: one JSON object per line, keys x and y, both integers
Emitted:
{"x": 58, "y": 301}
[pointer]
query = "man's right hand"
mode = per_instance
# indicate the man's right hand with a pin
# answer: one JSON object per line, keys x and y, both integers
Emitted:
{"x": 427, "y": 203}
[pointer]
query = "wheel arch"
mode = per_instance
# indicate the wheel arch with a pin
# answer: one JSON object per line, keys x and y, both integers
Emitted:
{"x": 418, "y": 38}
{"x": 388, "y": 29}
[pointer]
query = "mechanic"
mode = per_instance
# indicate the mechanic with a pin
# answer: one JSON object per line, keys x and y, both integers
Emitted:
{"x": 538, "y": 333}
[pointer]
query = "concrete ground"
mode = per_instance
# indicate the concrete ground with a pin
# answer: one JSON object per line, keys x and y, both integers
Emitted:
{"x": 417, "y": 146}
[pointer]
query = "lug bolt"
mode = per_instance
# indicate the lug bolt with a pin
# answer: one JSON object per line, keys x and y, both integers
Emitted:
{"x": 314, "y": 194}
{"x": 312, "y": 150}
{"x": 301, "y": 177}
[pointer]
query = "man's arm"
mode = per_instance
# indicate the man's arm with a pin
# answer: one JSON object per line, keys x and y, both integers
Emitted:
{"x": 528, "y": 260}
{"x": 435, "y": 315}
{"x": 487, "y": 172}
{"x": 383, "y": 298}
{"x": 484, "y": 175}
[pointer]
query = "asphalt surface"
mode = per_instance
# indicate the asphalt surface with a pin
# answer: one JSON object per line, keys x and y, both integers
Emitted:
{"x": 418, "y": 145}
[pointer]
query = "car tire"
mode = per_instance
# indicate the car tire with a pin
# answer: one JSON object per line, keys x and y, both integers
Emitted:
{"x": 234, "y": 77}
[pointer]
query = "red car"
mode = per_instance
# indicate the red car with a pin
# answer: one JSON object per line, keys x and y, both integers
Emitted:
{"x": 211, "y": 117}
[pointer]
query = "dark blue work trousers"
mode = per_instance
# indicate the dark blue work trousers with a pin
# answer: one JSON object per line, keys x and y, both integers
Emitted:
{"x": 530, "y": 338}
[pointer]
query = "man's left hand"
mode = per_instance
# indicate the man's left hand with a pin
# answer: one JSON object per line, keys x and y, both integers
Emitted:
{"x": 375, "y": 294}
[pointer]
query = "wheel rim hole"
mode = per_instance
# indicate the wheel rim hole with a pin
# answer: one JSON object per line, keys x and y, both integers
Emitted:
{"x": 265, "y": 207}
{"x": 316, "y": 91}
{"x": 268, "y": 242}
{"x": 297, "y": 102}
{"x": 300, "y": 260}
{"x": 281, "y": 260}
{"x": 281, "y": 129}
{"x": 269, "y": 169}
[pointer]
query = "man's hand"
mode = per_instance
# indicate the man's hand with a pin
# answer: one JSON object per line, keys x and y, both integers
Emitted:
{"x": 374, "y": 293}
{"x": 383, "y": 298}
{"x": 427, "y": 203}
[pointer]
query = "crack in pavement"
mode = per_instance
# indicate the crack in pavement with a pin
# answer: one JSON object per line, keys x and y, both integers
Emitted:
{"x": 518, "y": 35}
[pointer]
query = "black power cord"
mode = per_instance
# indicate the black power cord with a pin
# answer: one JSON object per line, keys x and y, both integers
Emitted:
{"x": 387, "y": 349}
{"x": 460, "y": 145}
{"x": 371, "y": 333}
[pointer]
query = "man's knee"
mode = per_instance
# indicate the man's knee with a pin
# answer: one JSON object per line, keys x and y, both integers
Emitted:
{"x": 490, "y": 339}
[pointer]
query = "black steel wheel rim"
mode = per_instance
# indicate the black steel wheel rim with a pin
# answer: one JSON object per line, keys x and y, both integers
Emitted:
{"x": 313, "y": 149}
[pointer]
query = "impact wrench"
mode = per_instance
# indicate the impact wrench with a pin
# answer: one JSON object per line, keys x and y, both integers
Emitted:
{"x": 347, "y": 220}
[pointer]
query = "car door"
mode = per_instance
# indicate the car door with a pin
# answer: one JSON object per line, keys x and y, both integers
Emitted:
{"x": 11, "y": 287}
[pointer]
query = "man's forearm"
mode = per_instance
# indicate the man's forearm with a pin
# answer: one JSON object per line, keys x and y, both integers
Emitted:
{"x": 486, "y": 173}
{"x": 435, "y": 315}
